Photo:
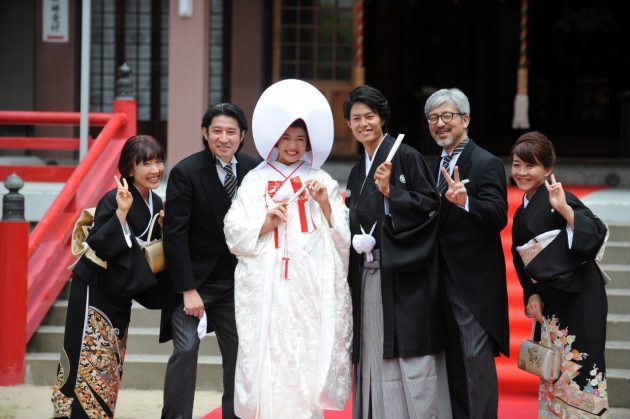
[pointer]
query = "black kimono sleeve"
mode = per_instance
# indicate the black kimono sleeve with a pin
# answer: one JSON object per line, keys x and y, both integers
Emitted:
{"x": 106, "y": 237}
{"x": 489, "y": 206}
{"x": 128, "y": 272}
{"x": 180, "y": 196}
{"x": 556, "y": 265}
{"x": 409, "y": 231}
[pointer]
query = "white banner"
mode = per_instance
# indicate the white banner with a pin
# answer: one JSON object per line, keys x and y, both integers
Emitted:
{"x": 55, "y": 20}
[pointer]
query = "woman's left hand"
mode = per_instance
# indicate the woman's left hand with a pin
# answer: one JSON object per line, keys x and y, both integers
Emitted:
{"x": 124, "y": 199}
{"x": 534, "y": 308}
{"x": 318, "y": 191}
{"x": 558, "y": 200}
{"x": 160, "y": 219}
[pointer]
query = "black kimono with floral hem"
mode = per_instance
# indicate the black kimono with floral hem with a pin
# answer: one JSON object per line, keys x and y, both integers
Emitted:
{"x": 574, "y": 300}
{"x": 99, "y": 308}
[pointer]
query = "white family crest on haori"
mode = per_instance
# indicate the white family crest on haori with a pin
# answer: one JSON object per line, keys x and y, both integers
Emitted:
{"x": 280, "y": 105}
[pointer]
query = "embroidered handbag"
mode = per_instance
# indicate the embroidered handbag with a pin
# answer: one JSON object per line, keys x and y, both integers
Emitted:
{"x": 538, "y": 359}
{"x": 153, "y": 250}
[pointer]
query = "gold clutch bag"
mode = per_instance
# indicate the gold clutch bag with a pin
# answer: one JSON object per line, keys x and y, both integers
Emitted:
{"x": 153, "y": 250}
{"x": 80, "y": 232}
{"x": 539, "y": 359}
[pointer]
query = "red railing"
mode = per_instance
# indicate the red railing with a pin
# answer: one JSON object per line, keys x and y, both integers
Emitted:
{"x": 49, "y": 243}
{"x": 43, "y": 173}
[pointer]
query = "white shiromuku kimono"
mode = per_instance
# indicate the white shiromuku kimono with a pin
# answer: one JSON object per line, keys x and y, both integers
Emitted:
{"x": 293, "y": 306}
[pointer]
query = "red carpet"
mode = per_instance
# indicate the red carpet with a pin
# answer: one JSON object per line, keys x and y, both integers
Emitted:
{"x": 517, "y": 389}
{"x": 511, "y": 406}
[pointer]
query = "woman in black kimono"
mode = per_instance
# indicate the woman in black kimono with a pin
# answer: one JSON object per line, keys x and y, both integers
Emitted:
{"x": 562, "y": 285}
{"x": 106, "y": 278}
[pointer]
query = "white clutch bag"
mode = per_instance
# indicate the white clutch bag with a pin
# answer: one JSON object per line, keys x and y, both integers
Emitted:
{"x": 530, "y": 250}
{"x": 539, "y": 359}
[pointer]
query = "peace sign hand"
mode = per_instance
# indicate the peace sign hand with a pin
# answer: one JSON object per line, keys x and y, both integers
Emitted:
{"x": 456, "y": 193}
{"x": 124, "y": 199}
{"x": 558, "y": 200}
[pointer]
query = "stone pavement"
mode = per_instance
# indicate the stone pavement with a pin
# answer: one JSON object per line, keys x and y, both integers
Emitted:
{"x": 28, "y": 402}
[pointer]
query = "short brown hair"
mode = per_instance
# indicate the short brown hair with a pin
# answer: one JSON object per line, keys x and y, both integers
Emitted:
{"x": 534, "y": 148}
{"x": 139, "y": 148}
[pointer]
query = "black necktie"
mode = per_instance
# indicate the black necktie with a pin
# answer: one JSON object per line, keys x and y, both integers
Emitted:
{"x": 230, "y": 180}
{"x": 446, "y": 161}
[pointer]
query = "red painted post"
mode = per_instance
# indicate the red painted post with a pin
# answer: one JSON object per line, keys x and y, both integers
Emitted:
{"x": 127, "y": 107}
{"x": 13, "y": 277}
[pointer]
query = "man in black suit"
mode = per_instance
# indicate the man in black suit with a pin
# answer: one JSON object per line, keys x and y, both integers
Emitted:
{"x": 472, "y": 185}
{"x": 200, "y": 191}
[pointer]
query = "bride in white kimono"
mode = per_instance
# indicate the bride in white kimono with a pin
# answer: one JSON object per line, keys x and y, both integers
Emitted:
{"x": 289, "y": 229}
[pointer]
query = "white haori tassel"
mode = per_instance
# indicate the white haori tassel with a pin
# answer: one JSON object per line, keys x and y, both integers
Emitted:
{"x": 521, "y": 111}
{"x": 364, "y": 243}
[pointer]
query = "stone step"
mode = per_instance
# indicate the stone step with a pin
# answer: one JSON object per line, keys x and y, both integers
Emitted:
{"x": 140, "y": 316}
{"x": 141, "y": 340}
{"x": 617, "y": 253}
{"x": 618, "y": 385}
{"x": 618, "y": 327}
{"x": 618, "y": 300}
{"x": 619, "y": 232}
{"x": 143, "y": 372}
{"x": 619, "y": 413}
{"x": 619, "y": 275}
{"x": 617, "y": 354}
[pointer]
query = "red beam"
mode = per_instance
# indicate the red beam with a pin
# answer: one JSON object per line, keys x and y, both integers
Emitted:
{"x": 41, "y": 143}
{"x": 51, "y": 118}
{"x": 59, "y": 173}
{"x": 48, "y": 243}
{"x": 68, "y": 192}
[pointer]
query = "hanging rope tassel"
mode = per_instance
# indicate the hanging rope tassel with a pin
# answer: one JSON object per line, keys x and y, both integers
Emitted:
{"x": 285, "y": 267}
{"x": 359, "y": 69}
{"x": 521, "y": 100}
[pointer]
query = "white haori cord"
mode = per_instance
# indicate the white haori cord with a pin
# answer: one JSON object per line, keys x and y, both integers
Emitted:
{"x": 364, "y": 243}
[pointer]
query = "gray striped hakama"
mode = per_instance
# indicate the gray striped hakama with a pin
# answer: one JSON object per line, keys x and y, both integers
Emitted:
{"x": 405, "y": 388}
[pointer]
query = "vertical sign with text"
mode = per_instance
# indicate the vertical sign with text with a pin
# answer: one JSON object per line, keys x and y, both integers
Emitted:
{"x": 55, "y": 20}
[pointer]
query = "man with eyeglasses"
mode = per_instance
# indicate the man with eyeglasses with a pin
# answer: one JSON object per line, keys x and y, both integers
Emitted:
{"x": 472, "y": 187}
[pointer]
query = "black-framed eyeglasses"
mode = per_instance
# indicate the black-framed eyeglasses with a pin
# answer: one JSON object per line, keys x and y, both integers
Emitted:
{"x": 446, "y": 117}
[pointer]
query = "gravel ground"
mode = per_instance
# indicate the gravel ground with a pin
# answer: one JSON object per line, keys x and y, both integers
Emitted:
{"x": 28, "y": 402}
